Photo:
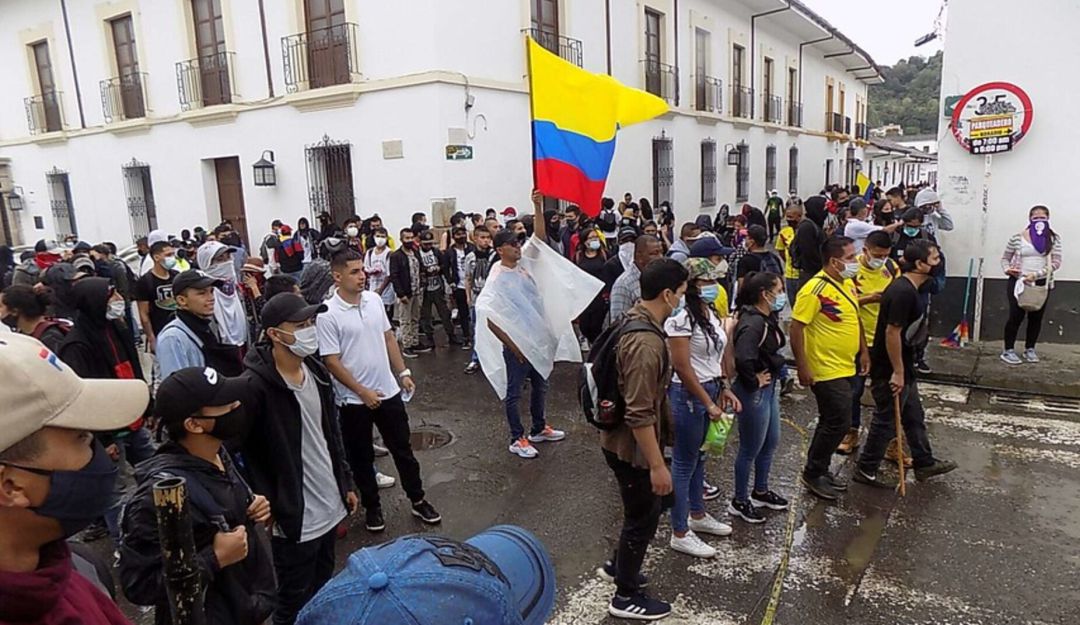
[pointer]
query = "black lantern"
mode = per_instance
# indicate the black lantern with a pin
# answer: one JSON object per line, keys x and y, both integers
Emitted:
{"x": 265, "y": 176}
{"x": 15, "y": 199}
{"x": 732, "y": 155}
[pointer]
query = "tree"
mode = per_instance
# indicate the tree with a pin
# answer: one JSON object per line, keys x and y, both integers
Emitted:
{"x": 909, "y": 95}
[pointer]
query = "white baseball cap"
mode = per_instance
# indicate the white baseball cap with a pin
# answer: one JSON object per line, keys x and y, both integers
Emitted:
{"x": 39, "y": 390}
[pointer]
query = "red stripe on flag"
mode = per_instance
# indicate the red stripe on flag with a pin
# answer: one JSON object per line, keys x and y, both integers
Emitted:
{"x": 566, "y": 182}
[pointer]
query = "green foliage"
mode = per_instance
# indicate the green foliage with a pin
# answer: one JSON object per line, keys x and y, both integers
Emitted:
{"x": 909, "y": 96}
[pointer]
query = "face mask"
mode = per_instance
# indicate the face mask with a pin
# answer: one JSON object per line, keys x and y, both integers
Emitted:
{"x": 709, "y": 293}
{"x": 522, "y": 237}
{"x": 850, "y": 270}
{"x": 593, "y": 245}
{"x": 459, "y": 241}
{"x": 168, "y": 262}
{"x": 779, "y": 302}
{"x": 793, "y": 223}
{"x": 306, "y": 343}
{"x": 181, "y": 254}
{"x": 229, "y": 426}
{"x": 223, "y": 271}
{"x": 352, "y": 231}
{"x": 380, "y": 241}
{"x": 911, "y": 232}
{"x": 77, "y": 498}
{"x": 876, "y": 263}
{"x": 678, "y": 307}
{"x": 115, "y": 310}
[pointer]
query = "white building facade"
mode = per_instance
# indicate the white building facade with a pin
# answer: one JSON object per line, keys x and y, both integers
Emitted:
{"x": 1035, "y": 172}
{"x": 128, "y": 115}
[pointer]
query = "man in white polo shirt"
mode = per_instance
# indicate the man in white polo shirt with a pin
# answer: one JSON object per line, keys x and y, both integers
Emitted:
{"x": 359, "y": 348}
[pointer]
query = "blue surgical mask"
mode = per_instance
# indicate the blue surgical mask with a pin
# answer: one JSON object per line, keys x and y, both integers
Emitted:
{"x": 779, "y": 303}
{"x": 594, "y": 244}
{"x": 680, "y": 307}
{"x": 710, "y": 293}
{"x": 910, "y": 231}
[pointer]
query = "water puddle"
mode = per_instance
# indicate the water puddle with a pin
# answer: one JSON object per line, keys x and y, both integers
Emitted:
{"x": 860, "y": 550}
{"x": 430, "y": 437}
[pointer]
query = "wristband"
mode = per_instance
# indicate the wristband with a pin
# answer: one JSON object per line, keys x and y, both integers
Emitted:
{"x": 405, "y": 373}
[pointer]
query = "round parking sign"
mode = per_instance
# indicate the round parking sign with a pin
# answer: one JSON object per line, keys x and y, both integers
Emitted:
{"x": 992, "y": 118}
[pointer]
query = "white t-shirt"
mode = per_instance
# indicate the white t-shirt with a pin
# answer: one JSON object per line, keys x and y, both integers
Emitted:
{"x": 377, "y": 268}
{"x": 858, "y": 231}
{"x": 357, "y": 334}
{"x": 706, "y": 356}
{"x": 323, "y": 509}
{"x": 1031, "y": 261}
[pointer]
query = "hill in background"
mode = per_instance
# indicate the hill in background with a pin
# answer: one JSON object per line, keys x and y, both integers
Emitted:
{"x": 909, "y": 96}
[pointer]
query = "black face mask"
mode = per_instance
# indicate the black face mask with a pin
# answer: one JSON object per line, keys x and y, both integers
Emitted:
{"x": 460, "y": 241}
{"x": 11, "y": 321}
{"x": 181, "y": 253}
{"x": 523, "y": 236}
{"x": 793, "y": 223}
{"x": 231, "y": 425}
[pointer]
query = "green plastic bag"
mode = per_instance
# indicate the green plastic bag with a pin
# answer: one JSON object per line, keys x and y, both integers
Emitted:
{"x": 716, "y": 437}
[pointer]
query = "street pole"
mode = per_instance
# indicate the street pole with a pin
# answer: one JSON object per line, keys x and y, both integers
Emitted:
{"x": 178, "y": 552}
{"x": 977, "y": 329}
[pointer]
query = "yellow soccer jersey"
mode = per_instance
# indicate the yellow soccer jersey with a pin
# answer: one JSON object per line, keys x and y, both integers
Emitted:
{"x": 831, "y": 318}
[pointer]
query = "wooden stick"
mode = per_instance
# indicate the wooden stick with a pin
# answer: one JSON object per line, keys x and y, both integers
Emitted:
{"x": 899, "y": 445}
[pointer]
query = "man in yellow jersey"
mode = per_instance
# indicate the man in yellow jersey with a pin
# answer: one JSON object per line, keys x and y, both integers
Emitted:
{"x": 876, "y": 271}
{"x": 827, "y": 336}
{"x": 792, "y": 216}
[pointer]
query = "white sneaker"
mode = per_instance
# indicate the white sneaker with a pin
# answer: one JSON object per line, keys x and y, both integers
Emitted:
{"x": 549, "y": 435}
{"x": 709, "y": 525}
{"x": 692, "y": 545}
{"x": 384, "y": 481}
{"x": 521, "y": 447}
{"x": 1030, "y": 355}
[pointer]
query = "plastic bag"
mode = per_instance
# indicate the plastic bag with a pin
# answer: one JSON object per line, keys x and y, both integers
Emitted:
{"x": 716, "y": 437}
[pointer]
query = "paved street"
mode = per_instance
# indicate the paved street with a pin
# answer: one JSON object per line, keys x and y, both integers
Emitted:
{"x": 998, "y": 541}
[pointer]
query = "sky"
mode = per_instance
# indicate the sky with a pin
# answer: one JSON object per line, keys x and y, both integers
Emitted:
{"x": 884, "y": 29}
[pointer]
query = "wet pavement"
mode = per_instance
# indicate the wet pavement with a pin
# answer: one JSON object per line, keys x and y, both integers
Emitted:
{"x": 996, "y": 542}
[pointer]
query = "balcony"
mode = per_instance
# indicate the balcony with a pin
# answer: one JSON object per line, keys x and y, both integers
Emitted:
{"x": 44, "y": 112}
{"x": 861, "y": 132}
{"x": 661, "y": 79}
{"x": 772, "y": 108}
{"x": 834, "y": 122}
{"x": 205, "y": 81}
{"x": 708, "y": 94}
{"x": 321, "y": 58}
{"x": 742, "y": 101}
{"x": 794, "y": 114}
{"x": 847, "y": 126}
{"x": 568, "y": 49}
{"x": 123, "y": 97}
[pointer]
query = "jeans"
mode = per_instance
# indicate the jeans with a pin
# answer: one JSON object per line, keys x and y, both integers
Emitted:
{"x": 516, "y": 373}
{"x": 1016, "y": 317}
{"x": 464, "y": 319}
{"x": 883, "y": 427}
{"x": 407, "y": 315}
{"x": 641, "y": 516}
{"x": 135, "y": 447}
{"x": 438, "y": 300}
{"x": 302, "y": 569}
{"x": 834, "y": 421}
{"x": 858, "y": 385}
{"x": 792, "y": 287}
{"x": 688, "y": 461}
{"x": 759, "y": 436}
{"x": 472, "y": 315}
{"x": 393, "y": 423}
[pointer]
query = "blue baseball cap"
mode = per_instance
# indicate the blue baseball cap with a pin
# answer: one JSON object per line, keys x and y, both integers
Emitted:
{"x": 502, "y": 576}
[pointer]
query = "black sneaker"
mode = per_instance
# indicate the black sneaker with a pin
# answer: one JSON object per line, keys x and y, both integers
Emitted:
{"x": 940, "y": 467}
{"x": 787, "y": 386}
{"x": 769, "y": 500}
{"x": 838, "y": 484}
{"x": 424, "y": 348}
{"x": 472, "y": 368}
{"x": 862, "y": 477}
{"x": 711, "y": 492}
{"x": 409, "y": 352}
{"x": 426, "y": 513}
{"x": 640, "y": 607}
{"x": 821, "y": 486}
{"x": 374, "y": 521}
{"x": 923, "y": 368}
{"x": 607, "y": 573}
{"x": 745, "y": 511}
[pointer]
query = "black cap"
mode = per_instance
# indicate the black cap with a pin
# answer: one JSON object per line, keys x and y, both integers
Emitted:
{"x": 187, "y": 391}
{"x": 706, "y": 247}
{"x": 504, "y": 236}
{"x": 194, "y": 279}
{"x": 288, "y": 307}
{"x": 628, "y": 234}
{"x": 41, "y": 246}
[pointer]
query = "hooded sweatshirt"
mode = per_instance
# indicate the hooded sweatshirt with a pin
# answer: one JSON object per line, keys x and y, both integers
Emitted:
{"x": 229, "y": 313}
{"x": 810, "y": 236}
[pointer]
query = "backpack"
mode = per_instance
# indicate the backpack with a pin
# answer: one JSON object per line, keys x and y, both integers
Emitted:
{"x": 43, "y": 327}
{"x": 771, "y": 262}
{"x": 598, "y": 382}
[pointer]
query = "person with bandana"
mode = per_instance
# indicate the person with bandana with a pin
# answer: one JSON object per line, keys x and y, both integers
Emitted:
{"x": 55, "y": 479}
{"x": 937, "y": 218}
{"x": 1031, "y": 256}
{"x": 216, "y": 260}
{"x": 201, "y": 410}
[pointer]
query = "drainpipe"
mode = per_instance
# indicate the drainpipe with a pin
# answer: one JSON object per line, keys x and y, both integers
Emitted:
{"x": 801, "y": 46}
{"x": 74, "y": 70}
{"x": 677, "y": 81}
{"x": 607, "y": 32}
{"x": 266, "y": 50}
{"x": 753, "y": 51}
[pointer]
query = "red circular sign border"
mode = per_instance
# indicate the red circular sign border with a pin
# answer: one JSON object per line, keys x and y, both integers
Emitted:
{"x": 1029, "y": 112}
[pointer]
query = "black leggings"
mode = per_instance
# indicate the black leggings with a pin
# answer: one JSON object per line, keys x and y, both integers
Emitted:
{"x": 1016, "y": 317}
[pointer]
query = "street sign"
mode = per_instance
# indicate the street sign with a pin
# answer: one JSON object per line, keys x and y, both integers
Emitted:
{"x": 459, "y": 152}
{"x": 950, "y": 104}
{"x": 991, "y": 118}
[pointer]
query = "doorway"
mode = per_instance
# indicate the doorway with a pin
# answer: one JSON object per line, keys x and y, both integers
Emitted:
{"x": 328, "y": 43}
{"x": 230, "y": 189}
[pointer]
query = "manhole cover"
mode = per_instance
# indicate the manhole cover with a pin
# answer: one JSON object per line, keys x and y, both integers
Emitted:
{"x": 1034, "y": 403}
{"x": 430, "y": 437}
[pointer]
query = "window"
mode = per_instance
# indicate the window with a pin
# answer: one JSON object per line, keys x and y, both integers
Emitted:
{"x": 330, "y": 182}
{"x": 742, "y": 178}
{"x": 708, "y": 173}
{"x": 701, "y": 69}
{"x": 142, "y": 211}
{"x": 852, "y": 164}
{"x": 45, "y": 113}
{"x": 211, "y": 62}
{"x": 828, "y": 171}
{"x": 663, "y": 170}
{"x": 653, "y": 54}
{"x": 794, "y": 106}
{"x": 739, "y": 106}
{"x": 60, "y": 202}
{"x": 767, "y": 91}
{"x": 328, "y": 43}
{"x": 770, "y": 168}
{"x": 829, "y": 117}
{"x": 793, "y": 170}
{"x": 545, "y": 20}
{"x": 122, "y": 96}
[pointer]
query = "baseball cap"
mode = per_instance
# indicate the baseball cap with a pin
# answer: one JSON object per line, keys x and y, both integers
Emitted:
{"x": 186, "y": 391}
{"x": 926, "y": 197}
{"x": 502, "y": 237}
{"x": 83, "y": 264}
{"x": 627, "y": 233}
{"x": 40, "y": 391}
{"x": 708, "y": 246}
{"x": 509, "y": 211}
{"x": 46, "y": 246}
{"x": 703, "y": 269}
{"x": 288, "y": 307}
{"x": 194, "y": 279}
{"x": 503, "y": 575}
{"x": 209, "y": 250}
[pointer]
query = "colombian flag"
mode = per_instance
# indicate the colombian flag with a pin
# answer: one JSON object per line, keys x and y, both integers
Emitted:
{"x": 575, "y": 116}
{"x": 866, "y": 188}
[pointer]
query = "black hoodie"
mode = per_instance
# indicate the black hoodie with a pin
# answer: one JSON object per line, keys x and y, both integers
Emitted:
{"x": 757, "y": 342}
{"x": 240, "y": 594}
{"x": 272, "y": 448}
{"x": 809, "y": 237}
{"x": 98, "y": 347}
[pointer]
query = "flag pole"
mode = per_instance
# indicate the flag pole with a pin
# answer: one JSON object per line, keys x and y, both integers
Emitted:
{"x": 532, "y": 113}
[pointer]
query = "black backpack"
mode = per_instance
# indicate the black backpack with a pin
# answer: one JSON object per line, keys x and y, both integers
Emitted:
{"x": 598, "y": 383}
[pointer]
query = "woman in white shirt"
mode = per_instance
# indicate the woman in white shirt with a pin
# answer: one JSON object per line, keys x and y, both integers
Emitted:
{"x": 1029, "y": 256}
{"x": 698, "y": 393}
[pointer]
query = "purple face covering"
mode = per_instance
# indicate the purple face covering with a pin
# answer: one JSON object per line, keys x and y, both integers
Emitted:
{"x": 1039, "y": 230}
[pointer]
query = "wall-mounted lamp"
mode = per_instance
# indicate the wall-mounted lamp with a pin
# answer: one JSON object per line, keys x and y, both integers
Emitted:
{"x": 15, "y": 198}
{"x": 265, "y": 174}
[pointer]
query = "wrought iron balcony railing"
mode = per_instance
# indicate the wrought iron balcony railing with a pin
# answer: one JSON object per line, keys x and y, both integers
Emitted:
{"x": 123, "y": 97}
{"x": 44, "y": 113}
{"x": 322, "y": 57}
{"x": 206, "y": 80}
{"x": 567, "y": 48}
{"x": 708, "y": 94}
{"x": 742, "y": 101}
{"x": 661, "y": 79}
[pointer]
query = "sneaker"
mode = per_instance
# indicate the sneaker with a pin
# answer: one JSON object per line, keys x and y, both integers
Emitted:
{"x": 923, "y": 368}
{"x": 1009, "y": 357}
{"x": 380, "y": 451}
{"x": 639, "y": 608}
{"x": 374, "y": 521}
{"x": 1030, "y": 355}
{"x": 838, "y": 484}
{"x": 862, "y": 477}
{"x": 467, "y": 346}
{"x": 607, "y": 573}
{"x": 523, "y": 448}
{"x": 769, "y": 500}
{"x": 691, "y": 545}
{"x": 409, "y": 352}
{"x": 384, "y": 481}
{"x": 940, "y": 467}
{"x": 891, "y": 454}
{"x": 849, "y": 444}
{"x": 472, "y": 368}
{"x": 708, "y": 525}
{"x": 548, "y": 435}
{"x": 711, "y": 492}
{"x": 821, "y": 486}
{"x": 426, "y": 513}
{"x": 787, "y": 386}
{"x": 424, "y": 348}
{"x": 745, "y": 511}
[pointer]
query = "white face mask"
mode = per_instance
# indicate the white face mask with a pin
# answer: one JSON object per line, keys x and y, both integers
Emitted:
{"x": 380, "y": 241}
{"x": 115, "y": 310}
{"x": 850, "y": 270}
{"x": 876, "y": 263}
{"x": 306, "y": 342}
{"x": 225, "y": 270}
{"x": 352, "y": 231}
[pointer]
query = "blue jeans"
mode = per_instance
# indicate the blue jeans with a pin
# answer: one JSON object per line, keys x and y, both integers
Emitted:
{"x": 858, "y": 384}
{"x": 759, "y": 435}
{"x": 472, "y": 315}
{"x": 516, "y": 373}
{"x": 687, "y": 460}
